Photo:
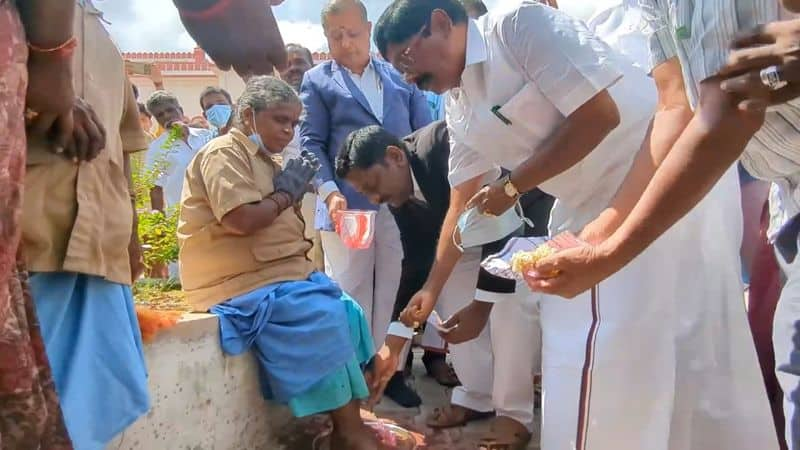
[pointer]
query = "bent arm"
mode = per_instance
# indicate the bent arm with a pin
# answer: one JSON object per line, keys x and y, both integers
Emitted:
{"x": 447, "y": 254}
{"x": 713, "y": 140}
{"x": 247, "y": 219}
{"x": 575, "y": 138}
{"x": 673, "y": 113}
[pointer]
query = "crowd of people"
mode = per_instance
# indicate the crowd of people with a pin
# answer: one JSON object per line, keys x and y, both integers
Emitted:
{"x": 648, "y": 136}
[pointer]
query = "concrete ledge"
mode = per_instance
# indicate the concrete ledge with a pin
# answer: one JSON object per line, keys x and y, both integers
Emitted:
{"x": 202, "y": 399}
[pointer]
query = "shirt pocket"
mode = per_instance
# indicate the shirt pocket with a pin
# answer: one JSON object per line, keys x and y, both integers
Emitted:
{"x": 524, "y": 120}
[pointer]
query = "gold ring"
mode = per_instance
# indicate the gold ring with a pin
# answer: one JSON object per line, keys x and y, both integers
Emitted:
{"x": 416, "y": 325}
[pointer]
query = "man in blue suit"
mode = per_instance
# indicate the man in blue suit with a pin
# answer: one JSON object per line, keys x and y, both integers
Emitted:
{"x": 352, "y": 91}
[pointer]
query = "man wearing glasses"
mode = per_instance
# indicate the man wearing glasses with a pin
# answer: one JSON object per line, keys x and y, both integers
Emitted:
{"x": 624, "y": 366}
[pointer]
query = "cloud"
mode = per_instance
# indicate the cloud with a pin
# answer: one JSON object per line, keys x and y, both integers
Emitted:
{"x": 304, "y": 33}
{"x": 154, "y": 25}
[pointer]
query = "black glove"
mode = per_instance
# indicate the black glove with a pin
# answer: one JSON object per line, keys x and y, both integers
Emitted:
{"x": 296, "y": 176}
{"x": 311, "y": 158}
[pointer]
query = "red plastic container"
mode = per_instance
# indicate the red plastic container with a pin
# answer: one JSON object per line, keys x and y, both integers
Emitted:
{"x": 356, "y": 228}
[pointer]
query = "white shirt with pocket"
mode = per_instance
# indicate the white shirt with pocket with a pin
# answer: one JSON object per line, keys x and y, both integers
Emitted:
{"x": 173, "y": 161}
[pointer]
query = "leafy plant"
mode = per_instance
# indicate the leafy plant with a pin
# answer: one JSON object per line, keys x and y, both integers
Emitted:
{"x": 175, "y": 132}
{"x": 157, "y": 230}
{"x": 158, "y": 234}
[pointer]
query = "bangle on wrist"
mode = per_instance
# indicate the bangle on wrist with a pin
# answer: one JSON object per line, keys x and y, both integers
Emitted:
{"x": 65, "y": 49}
{"x": 285, "y": 199}
{"x": 209, "y": 13}
{"x": 277, "y": 205}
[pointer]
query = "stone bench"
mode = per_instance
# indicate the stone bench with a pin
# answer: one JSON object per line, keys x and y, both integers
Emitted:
{"x": 202, "y": 399}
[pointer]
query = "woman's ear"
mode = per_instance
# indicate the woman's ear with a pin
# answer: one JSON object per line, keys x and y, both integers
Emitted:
{"x": 246, "y": 117}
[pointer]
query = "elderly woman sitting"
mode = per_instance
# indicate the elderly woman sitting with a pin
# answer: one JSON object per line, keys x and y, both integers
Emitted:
{"x": 243, "y": 257}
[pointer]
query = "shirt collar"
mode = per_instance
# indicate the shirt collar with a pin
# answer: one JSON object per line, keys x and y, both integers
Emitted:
{"x": 414, "y": 182}
{"x": 367, "y": 70}
{"x": 476, "y": 43}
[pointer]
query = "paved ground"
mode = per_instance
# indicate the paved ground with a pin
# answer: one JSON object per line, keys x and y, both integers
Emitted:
{"x": 434, "y": 396}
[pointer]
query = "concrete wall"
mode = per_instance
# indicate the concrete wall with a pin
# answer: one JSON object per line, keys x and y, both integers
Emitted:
{"x": 188, "y": 88}
{"x": 202, "y": 399}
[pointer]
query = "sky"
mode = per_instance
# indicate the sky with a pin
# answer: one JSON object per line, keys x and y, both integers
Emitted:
{"x": 153, "y": 25}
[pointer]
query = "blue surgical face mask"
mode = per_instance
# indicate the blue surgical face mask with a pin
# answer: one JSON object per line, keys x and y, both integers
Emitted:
{"x": 476, "y": 229}
{"x": 255, "y": 137}
{"x": 219, "y": 115}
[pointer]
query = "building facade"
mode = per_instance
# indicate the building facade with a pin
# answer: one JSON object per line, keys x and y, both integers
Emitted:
{"x": 186, "y": 74}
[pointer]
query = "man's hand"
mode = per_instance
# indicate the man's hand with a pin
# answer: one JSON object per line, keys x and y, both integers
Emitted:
{"x": 384, "y": 367}
{"x": 244, "y": 36}
{"x": 336, "y": 203}
{"x": 88, "y": 133}
{"x": 577, "y": 270}
{"x": 491, "y": 200}
{"x": 773, "y": 44}
{"x": 156, "y": 76}
{"x": 468, "y": 323}
{"x": 419, "y": 308}
{"x": 50, "y": 98}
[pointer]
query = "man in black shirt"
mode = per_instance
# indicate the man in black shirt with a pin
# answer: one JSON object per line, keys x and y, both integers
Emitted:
{"x": 410, "y": 175}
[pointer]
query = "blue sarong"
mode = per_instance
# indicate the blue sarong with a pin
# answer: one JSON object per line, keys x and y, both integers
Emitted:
{"x": 94, "y": 346}
{"x": 310, "y": 338}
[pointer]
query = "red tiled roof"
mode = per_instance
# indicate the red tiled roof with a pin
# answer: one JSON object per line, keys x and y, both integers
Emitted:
{"x": 188, "y": 61}
{"x": 174, "y": 61}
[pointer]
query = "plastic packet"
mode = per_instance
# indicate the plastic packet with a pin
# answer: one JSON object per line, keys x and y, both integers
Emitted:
{"x": 500, "y": 263}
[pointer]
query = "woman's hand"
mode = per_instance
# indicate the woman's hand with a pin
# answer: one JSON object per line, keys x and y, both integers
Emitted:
{"x": 296, "y": 176}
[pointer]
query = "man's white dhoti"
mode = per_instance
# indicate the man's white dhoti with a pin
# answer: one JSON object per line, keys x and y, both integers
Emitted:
{"x": 496, "y": 369}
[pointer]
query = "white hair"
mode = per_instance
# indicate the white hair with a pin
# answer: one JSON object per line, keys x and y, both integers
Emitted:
{"x": 265, "y": 92}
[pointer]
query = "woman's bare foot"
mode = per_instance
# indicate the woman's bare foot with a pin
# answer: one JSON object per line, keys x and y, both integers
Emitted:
{"x": 349, "y": 430}
{"x": 362, "y": 438}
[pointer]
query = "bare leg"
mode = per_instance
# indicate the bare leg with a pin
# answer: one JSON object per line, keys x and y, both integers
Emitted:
{"x": 349, "y": 431}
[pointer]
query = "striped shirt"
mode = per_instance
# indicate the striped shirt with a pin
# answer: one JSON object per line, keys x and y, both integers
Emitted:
{"x": 699, "y": 34}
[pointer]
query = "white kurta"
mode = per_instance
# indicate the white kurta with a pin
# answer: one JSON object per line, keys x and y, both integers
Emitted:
{"x": 659, "y": 355}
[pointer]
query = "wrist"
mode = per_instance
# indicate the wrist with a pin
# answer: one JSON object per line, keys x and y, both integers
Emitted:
{"x": 511, "y": 186}
{"x": 433, "y": 285}
{"x": 616, "y": 250}
{"x": 282, "y": 199}
{"x": 62, "y": 50}
{"x": 601, "y": 228}
{"x": 327, "y": 189}
{"x": 395, "y": 344}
